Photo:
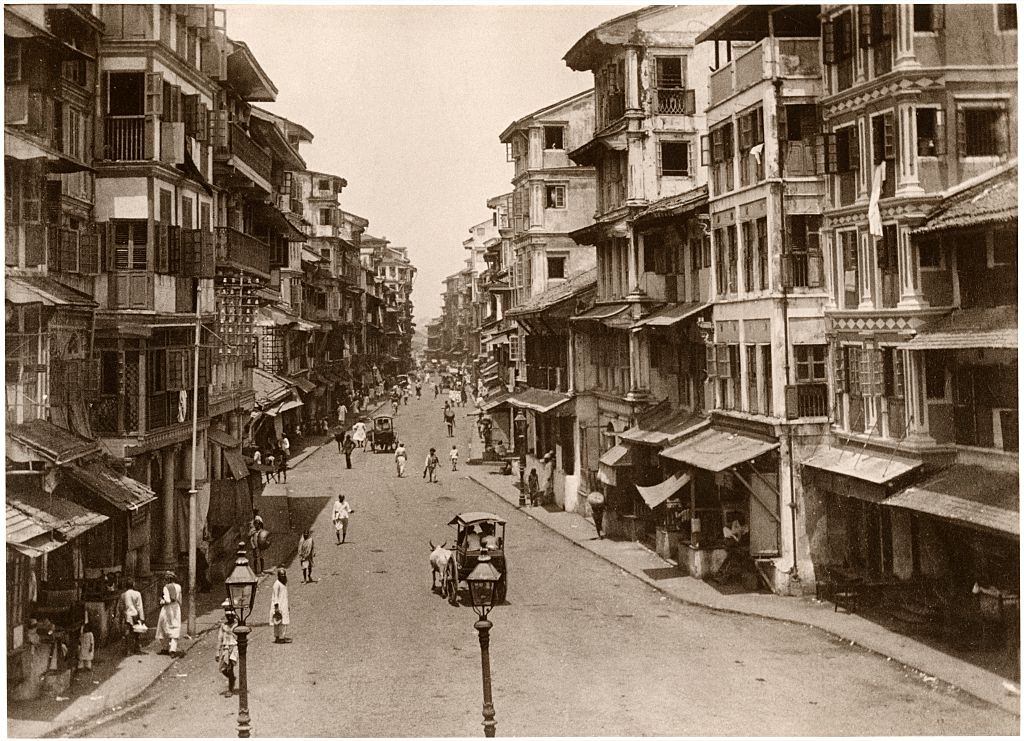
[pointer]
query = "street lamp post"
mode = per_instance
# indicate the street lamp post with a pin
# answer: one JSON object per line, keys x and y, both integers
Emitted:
{"x": 519, "y": 422}
{"x": 241, "y": 587}
{"x": 483, "y": 581}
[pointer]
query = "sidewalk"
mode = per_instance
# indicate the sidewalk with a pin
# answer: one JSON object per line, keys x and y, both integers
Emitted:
{"x": 117, "y": 679}
{"x": 650, "y": 568}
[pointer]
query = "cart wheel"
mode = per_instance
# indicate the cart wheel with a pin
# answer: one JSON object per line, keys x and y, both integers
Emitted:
{"x": 452, "y": 583}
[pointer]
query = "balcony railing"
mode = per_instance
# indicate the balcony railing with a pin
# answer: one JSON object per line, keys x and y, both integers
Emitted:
{"x": 125, "y": 138}
{"x": 243, "y": 249}
{"x": 547, "y": 377}
{"x": 241, "y": 146}
{"x": 785, "y": 57}
{"x": 811, "y": 399}
{"x": 675, "y": 101}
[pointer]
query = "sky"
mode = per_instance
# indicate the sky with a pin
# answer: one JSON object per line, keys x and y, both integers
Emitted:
{"x": 407, "y": 102}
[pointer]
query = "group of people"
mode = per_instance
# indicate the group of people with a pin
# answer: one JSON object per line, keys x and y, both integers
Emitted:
{"x": 275, "y": 459}
{"x": 168, "y": 626}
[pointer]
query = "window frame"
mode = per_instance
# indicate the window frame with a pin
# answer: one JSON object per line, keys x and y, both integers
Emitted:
{"x": 805, "y": 361}
{"x": 939, "y": 143}
{"x": 996, "y": 7}
{"x": 687, "y": 158}
{"x": 555, "y": 188}
{"x": 997, "y": 104}
{"x": 563, "y": 258}
{"x": 561, "y": 136}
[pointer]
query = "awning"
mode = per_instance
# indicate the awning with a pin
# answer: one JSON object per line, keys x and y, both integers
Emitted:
{"x": 223, "y": 439}
{"x": 663, "y": 427}
{"x": 271, "y": 316}
{"x": 618, "y": 456}
{"x": 496, "y": 401}
{"x": 538, "y": 400}
{"x": 42, "y": 439}
{"x": 875, "y": 468}
{"x": 992, "y": 200}
{"x": 38, "y": 523}
{"x": 655, "y": 495}
{"x": 123, "y": 492}
{"x": 601, "y": 312}
{"x": 672, "y": 315}
{"x": 21, "y": 149}
{"x": 269, "y": 387}
{"x": 717, "y": 450}
{"x": 42, "y": 289}
{"x": 290, "y": 404}
{"x": 969, "y": 328}
{"x": 967, "y": 495}
{"x": 303, "y": 383}
{"x": 236, "y": 463}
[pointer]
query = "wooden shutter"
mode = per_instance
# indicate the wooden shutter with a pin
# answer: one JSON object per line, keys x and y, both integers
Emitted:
{"x": 150, "y": 125}
{"x": 961, "y": 133}
{"x": 828, "y": 45}
{"x": 815, "y": 261}
{"x": 219, "y": 137}
{"x": 35, "y": 244}
{"x": 724, "y": 369}
{"x": 172, "y": 143}
{"x": 877, "y": 377}
{"x": 163, "y": 246}
{"x": 207, "y": 266}
{"x": 787, "y": 268}
{"x": 821, "y": 161}
{"x": 745, "y": 131}
{"x": 88, "y": 251}
{"x": 691, "y": 160}
{"x": 710, "y": 362}
{"x": 154, "y": 93}
{"x": 889, "y": 135}
{"x": 190, "y": 114}
{"x": 792, "y": 402}
{"x": 107, "y": 245}
{"x": 853, "y": 147}
{"x": 864, "y": 39}
{"x": 940, "y": 129}
{"x": 202, "y": 131}
{"x": 705, "y": 149}
{"x": 839, "y": 367}
{"x": 690, "y": 102}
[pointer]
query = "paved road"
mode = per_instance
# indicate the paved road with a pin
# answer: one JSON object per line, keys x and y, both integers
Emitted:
{"x": 581, "y": 648}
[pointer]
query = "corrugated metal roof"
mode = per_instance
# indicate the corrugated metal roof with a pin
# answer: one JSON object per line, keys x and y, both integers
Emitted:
{"x": 717, "y": 450}
{"x": 675, "y": 205}
{"x": 43, "y": 522}
{"x": 669, "y": 316}
{"x": 991, "y": 201}
{"x": 122, "y": 491}
{"x": 50, "y": 441}
{"x": 875, "y": 468}
{"x": 663, "y": 427}
{"x": 538, "y": 400}
{"x": 967, "y": 494}
{"x": 269, "y": 387}
{"x": 994, "y": 327}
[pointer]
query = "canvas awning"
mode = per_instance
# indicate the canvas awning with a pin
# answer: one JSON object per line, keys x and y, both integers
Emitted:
{"x": 123, "y": 492}
{"x": 655, "y": 495}
{"x": 600, "y": 313}
{"x": 717, "y": 450}
{"x": 236, "y": 463}
{"x": 223, "y": 439}
{"x": 284, "y": 406}
{"x": 497, "y": 400}
{"x": 671, "y": 315}
{"x": 875, "y": 468}
{"x": 977, "y": 328}
{"x": 618, "y": 456}
{"x": 303, "y": 383}
{"x": 538, "y": 400}
{"x": 967, "y": 495}
{"x": 38, "y": 523}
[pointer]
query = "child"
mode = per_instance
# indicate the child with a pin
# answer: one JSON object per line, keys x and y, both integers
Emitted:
{"x": 227, "y": 647}
{"x": 430, "y": 467}
{"x": 454, "y": 455}
{"x": 306, "y": 553}
{"x": 86, "y": 648}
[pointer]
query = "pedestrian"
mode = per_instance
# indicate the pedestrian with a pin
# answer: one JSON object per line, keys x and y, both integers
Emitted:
{"x": 342, "y": 413}
{"x": 286, "y": 448}
{"x": 282, "y": 469}
{"x": 227, "y": 647}
{"x": 168, "y": 626}
{"x": 449, "y": 420}
{"x": 339, "y": 516}
{"x": 269, "y": 462}
{"x": 533, "y": 486}
{"x": 401, "y": 456}
{"x": 339, "y": 438}
{"x": 463, "y": 395}
{"x": 549, "y": 477}
{"x": 359, "y": 433}
{"x": 437, "y": 388}
{"x": 430, "y": 467}
{"x": 307, "y": 550}
{"x": 259, "y": 541}
{"x": 596, "y": 501}
{"x": 131, "y": 604}
{"x": 453, "y": 396}
{"x": 279, "y": 616}
{"x": 454, "y": 456}
{"x": 86, "y": 647}
{"x": 394, "y": 405}
{"x": 419, "y": 389}
{"x": 347, "y": 446}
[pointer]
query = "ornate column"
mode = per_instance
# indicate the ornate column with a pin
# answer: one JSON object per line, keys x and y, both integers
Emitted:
{"x": 632, "y": 79}
{"x": 905, "y": 37}
{"x": 911, "y": 296}
{"x": 907, "y": 182}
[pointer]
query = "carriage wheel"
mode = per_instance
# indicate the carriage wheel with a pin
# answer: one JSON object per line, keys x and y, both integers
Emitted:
{"x": 452, "y": 583}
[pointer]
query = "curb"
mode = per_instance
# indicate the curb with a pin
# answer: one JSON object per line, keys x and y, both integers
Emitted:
{"x": 988, "y": 698}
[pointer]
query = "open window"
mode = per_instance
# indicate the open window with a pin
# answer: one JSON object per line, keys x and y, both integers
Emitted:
{"x": 982, "y": 130}
{"x": 675, "y": 158}
{"x": 554, "y": 137}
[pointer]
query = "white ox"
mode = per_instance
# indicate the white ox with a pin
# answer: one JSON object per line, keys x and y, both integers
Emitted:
{"x": 439, "y": 558}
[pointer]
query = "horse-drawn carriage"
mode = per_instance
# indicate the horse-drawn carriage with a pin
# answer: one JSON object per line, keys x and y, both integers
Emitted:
{"x": 475, "y": 534}
{"x": 382, "y": 436}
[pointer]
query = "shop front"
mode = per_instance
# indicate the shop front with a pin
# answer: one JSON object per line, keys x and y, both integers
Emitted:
{"x": 549, "y": 430}
{"x": 729, "y": 515}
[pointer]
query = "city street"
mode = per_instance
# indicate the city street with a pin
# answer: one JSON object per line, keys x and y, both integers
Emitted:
{"x": 581, "y": 648}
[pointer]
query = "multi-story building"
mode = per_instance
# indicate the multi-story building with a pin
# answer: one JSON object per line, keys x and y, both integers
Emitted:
{"x": 919, "y": 115}
{"x": 650, "y": 94}
{"x": 394, "y": 273}
{"x": 499, "y": 334}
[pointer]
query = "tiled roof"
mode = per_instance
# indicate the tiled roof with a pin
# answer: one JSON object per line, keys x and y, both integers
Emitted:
{"x": 39, "y": 522}
{"x": 124, "y": 492}
{"x": 675, "y": 205}
{"x": 574, "y": 285}
{"x": 50, "y": 441}
{"x": 662, "y": 426}
{"x": 29, "y": 288}
{"x": 992, "y": 201}
{"x": 969, "y": 328}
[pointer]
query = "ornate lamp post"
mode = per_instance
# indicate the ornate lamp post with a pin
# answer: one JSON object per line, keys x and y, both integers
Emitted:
{"x": 483, "y": 581}
{"x": 241, "y": 587}
{"x": 519, "y": 422}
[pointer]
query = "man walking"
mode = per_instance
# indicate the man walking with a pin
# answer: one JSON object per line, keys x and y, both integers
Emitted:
{"x": 401, "y": 456}
{"x": 449, "y": 419}
{"x": 430, "y": 467}
{"x": 131, "y": 603}
{"x": 342, "y": 413}
{"x": 347, "y": 446}
{"x": 279, "y": 614}
{"x": 339, "y": 516}
{"x": 306, "y": 552}
{"x": 168, "y": 627}
{"x": 227, "y": 647}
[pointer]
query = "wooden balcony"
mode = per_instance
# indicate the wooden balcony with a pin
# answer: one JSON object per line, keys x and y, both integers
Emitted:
{"x": 125, "y": 138}
{"x": 243, "y": 251}
{"x": 243, "y": 149}
{"x": 789, "y": 58}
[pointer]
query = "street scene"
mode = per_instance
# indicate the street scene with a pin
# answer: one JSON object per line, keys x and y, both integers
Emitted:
{"x": 427, "y": 371}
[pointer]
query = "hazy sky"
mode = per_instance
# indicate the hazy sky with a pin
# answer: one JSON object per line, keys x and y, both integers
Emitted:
{"x": 407, "y": 102}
